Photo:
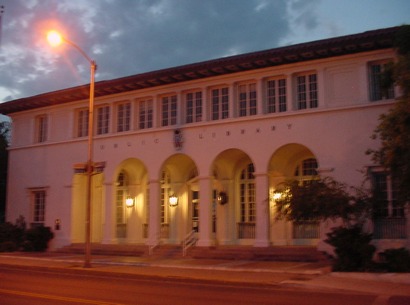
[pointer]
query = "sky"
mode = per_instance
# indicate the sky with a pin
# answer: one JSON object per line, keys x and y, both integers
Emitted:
{"x": 128, "y": 37}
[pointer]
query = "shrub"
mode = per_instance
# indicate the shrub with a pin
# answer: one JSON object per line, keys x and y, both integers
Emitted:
{"x": 10, "y": 233}
{"x": 36, "y": 239}
{"x": 396, "y": 260}
{"x": 8, "y": 246}
{"x": 353, "y": 249}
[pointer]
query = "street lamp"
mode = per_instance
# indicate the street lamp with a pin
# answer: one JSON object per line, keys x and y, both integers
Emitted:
{"x": 55, "y": 39}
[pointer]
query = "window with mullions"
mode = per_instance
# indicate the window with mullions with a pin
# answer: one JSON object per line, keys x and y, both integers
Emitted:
{"x": 38, "y": 207}
{"x": 276, "y": 95}
{"x": 247, "y": 194}
{"x": 103, "y": 120}
{"x": 41, "y": 128}
{"x": 376, "y": 90}
{"x": 385, "y": 193}
{"x": 388, "y": 217}
{"x": 169, "y": 110}
{"x": 247, "y": 99}
{"x": 82, "y": 123}
{"x": 121, "y": 195}
{"x": 307, "y": 168}
{"x": 145, "y": 114}
{"x": 220, "y": 103}
{"x": 123, "y": 117}
{"x": 193, "y": 107}
{"x": 165, "y": 193}
{"x": 307, "y": 96}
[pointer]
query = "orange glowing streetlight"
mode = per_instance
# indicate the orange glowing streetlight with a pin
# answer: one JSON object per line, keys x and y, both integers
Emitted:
{"x": 55, "y": 39}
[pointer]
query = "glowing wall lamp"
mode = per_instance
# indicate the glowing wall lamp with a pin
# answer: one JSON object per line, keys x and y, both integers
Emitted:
{"x": 129, "y": 202}
{"x": 173, "y": 200}
{"x": 55, "y": 39}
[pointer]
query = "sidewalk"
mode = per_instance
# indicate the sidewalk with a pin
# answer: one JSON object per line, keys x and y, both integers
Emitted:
{"x": 287, "y": 274}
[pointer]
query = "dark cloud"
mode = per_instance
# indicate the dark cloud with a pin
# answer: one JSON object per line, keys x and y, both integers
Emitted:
{"x": 127, "y": 37}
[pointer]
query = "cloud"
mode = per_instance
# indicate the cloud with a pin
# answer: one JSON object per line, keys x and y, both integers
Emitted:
{"x": 128, "y": 37}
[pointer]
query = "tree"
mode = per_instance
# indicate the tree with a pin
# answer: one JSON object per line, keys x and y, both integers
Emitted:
{"x": 323, "y": 199}
{"x": 394, "y": 126}
{"x": 4, "y": 142}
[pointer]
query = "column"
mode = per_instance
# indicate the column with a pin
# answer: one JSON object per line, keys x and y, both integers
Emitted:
{"x": 109, "y": 216}
{"x": 205, "y": 212}
{"x": 262, "y": 210}
{"x": 154, "y": 213}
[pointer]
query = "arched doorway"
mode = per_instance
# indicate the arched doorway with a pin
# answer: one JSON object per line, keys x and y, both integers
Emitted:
{"x": 292, "y": 162}
{"x": 234, "y": 182}
{"x": 131, "y": 202}
{"x": 179, "y": 198}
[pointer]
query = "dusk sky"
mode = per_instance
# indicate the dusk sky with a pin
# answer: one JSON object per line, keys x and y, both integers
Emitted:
{"x": 127, "y": 37}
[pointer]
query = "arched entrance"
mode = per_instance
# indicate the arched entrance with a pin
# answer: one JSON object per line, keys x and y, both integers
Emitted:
{"x": 292, "y": 162}
{"x": 235, "y": 197}
{"x": 130, "y": 200}
{"x": 179, "y": 198}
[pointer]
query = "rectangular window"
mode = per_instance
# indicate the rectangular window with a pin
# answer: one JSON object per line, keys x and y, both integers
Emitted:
{"x": 389, "y": 220}
{"x": 103, "y": 120}
{"x": 307, "y": 96}
{"x": 376, "y": 90}
{"x": 145, "y": 114}
{"x": 123, "y": 117}
{"x": 38, "y": 206}
{"x": 247, "y": 99}
{"x": 276, "y": 95}
{"x": 220, "y": 103}
{"x": 82, "y": 123}
{"x": 41, "y": 128}
{"x": 169, "y": 110}
{"x": 193, "y": 107}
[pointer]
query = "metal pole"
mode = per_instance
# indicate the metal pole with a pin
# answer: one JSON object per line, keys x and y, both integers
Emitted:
{"x": 90, "y": 169}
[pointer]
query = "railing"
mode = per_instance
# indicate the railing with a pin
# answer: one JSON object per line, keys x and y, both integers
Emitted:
{"x": 189, "y": 241}
{"x": 306, "y": 229}
{"x": 389, "y": 228}
{"x": 163, "y": 233}
{"x": 246, "y": 230}
{"x": 164, "y": 230}
{"x": 121, "y": 230}
{"x": 145, "y": 230}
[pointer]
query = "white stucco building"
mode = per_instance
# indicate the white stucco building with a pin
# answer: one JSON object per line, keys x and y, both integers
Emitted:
{"x": 220, "y": 135}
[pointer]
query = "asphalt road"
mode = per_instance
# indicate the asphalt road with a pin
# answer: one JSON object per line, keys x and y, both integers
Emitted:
{"x": 35, "y": 287}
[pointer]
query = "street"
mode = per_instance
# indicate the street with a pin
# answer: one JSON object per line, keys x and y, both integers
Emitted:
{"x": 19, "y": 286}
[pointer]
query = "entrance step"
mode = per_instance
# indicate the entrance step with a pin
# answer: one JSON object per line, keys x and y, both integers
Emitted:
{"x": 286, "y": 253}
{"x": 166, "y": 251}
{"x": 103, "y": 249}
{"x": 277, "y": 253}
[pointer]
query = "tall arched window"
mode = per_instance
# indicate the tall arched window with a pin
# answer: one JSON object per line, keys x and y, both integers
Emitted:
{"x": 246, "y": 225}
{"x": 121, "y": 194}
{"x": 247, "y": 194}
{"x": 165, "y": 194}
{"x": 306, "y": 170}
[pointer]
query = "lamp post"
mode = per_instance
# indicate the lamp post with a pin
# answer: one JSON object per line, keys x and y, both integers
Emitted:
{"x": 56, "y": 39}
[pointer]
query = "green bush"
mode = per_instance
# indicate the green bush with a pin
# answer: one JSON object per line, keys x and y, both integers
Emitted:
{"x": 353, "y": 249}
{"x": 10, "y": 233}
{"x": 15, "y": 237}
{"x": 396, "y": 260}
{"x": 36, "y": 239}
{"x": 8, "y": 246}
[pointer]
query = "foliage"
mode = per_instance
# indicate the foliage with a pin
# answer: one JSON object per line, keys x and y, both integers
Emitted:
{"x": 14, "y": 237}
{"x": 394, "y": 126}
{"x": 4, "y": 142}
{"x": 36, "y": 239}
{"x": 396, "y": 260}
{"x": 353, "y": 249}
{"x": 322, "y": 199}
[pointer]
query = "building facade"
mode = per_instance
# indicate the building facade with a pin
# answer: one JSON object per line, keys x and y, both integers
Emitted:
{"x": 217, "y": 137}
